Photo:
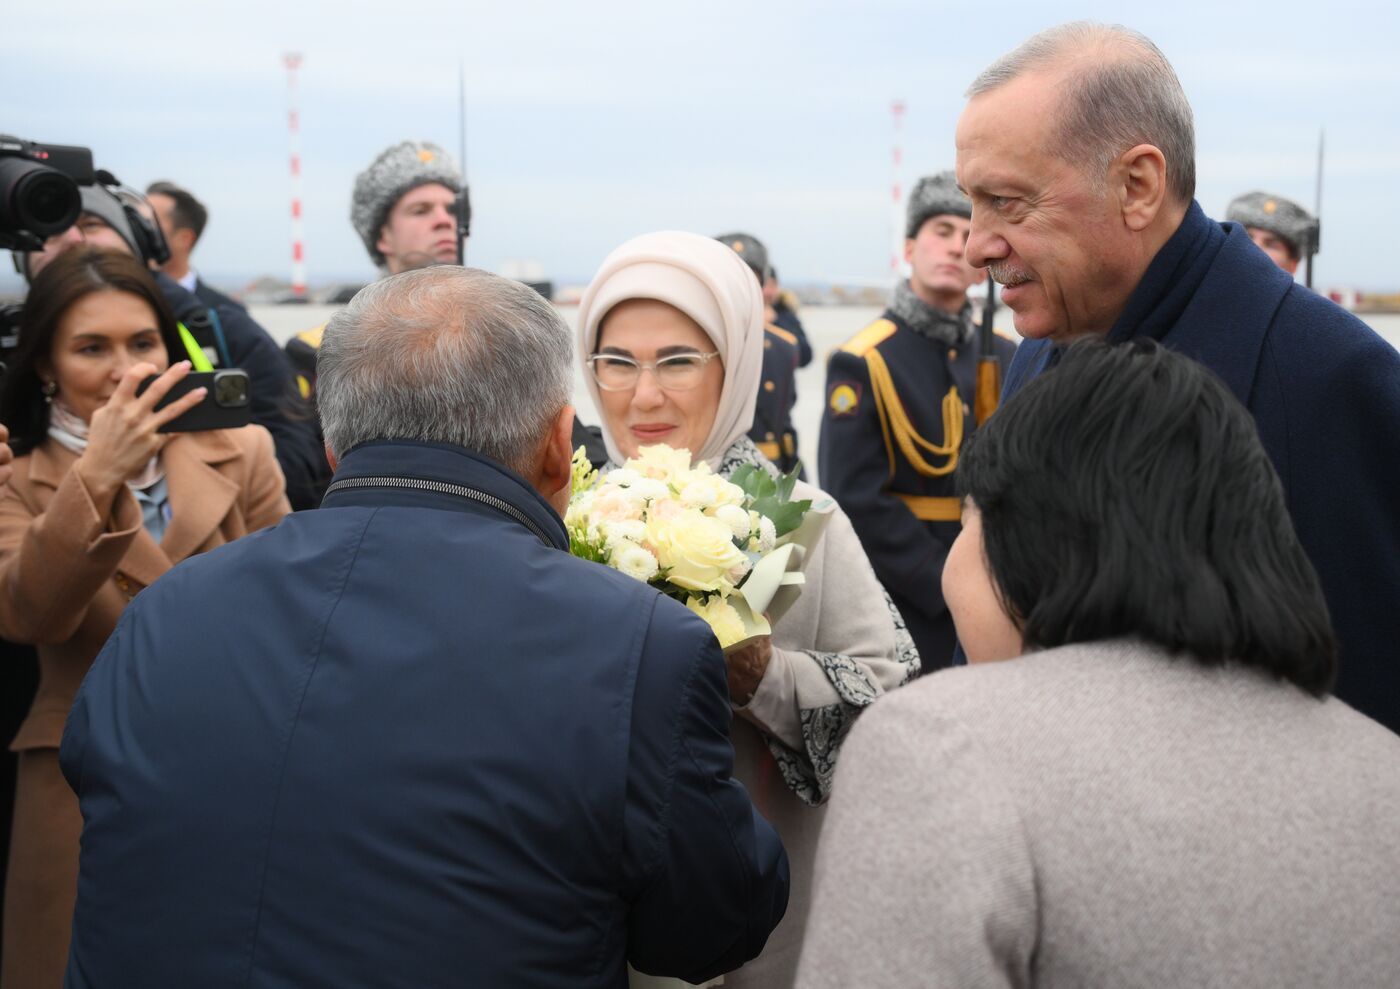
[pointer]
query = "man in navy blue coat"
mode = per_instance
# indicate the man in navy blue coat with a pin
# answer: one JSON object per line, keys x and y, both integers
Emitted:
{"x": 407, "y": 739}
{"x": 1078, "y": 152}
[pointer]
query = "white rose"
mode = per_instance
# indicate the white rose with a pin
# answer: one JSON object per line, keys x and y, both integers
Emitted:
{"x": 736, "y": 518}
{"x": 710, "y": 491}
{"x": 623, "y": 477}
{"x": 697, "y": 551}
{"x": 647, "y": 489}
{"x": 633, "y": 560}
{"x": 659, "y": 462}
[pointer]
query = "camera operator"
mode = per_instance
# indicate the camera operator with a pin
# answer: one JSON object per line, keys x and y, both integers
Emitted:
{"x": 99, "y": 506}
{"x": 226, "y": 334}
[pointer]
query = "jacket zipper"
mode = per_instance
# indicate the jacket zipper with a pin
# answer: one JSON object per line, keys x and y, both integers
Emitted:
{"x": 443, "y": 487}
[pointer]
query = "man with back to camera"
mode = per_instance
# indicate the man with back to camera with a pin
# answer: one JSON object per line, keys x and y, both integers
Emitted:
{"x": 1281, "y": 228}
{"x": 920, "y": 358}
{"x": 447, "y": 753}
{"x": 226, "y": 335}
{"x": 1078, "y": 150}
{"x": 182, "y": 219}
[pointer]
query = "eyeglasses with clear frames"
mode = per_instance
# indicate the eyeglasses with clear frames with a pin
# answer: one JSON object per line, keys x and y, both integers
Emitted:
{"x": 679, "y": 372}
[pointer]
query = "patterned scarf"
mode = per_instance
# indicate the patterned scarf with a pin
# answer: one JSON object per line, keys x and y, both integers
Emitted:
{"x": 67, "y": 429}
{"x": 940, "y": 326}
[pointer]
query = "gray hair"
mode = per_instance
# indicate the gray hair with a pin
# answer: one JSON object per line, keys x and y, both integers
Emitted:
{"x": 1122, "y": 92}
{"x": 446, "y": 355}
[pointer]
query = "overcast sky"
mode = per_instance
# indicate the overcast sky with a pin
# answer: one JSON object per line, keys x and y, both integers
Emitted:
{"x": 591, "y": 122}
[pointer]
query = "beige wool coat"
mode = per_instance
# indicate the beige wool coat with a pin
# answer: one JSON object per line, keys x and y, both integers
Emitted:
{"x": 66, "y": 573}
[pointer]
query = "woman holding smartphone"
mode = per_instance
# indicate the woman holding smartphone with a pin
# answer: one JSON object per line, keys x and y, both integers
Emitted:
{"x": 99, "y": 505}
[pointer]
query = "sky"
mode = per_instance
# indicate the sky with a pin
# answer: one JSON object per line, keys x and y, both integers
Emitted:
{"x": 590, "y": 123}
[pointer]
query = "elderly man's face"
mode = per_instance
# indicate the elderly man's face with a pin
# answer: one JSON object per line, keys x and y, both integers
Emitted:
{"x": 1053, "y": 236}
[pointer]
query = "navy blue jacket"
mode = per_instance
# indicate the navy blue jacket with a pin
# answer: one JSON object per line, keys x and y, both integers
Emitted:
{"x": 1324, "y": 390}
{"x": 906, "y": 520}
{"x": 407, "y": 740}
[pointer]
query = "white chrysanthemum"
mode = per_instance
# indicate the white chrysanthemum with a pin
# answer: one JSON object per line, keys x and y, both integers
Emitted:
{"x": 633, "y": 560}
{"x": 767, "y": 534}
{"x": 629, "y": 530}
{"x": 737, "y": 519}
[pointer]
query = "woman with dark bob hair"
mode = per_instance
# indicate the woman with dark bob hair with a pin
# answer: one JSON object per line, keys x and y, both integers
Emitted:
{"x": 1152, "y": 787}
{"x": 100, "y": 504}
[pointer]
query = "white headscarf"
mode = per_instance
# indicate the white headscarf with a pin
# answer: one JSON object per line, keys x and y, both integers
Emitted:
{"x": 711, "y": 284}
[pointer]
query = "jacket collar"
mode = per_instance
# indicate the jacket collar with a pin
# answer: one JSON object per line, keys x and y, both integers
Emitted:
{"x": 446, "y": 463}
{"x": 1171, "y": 280}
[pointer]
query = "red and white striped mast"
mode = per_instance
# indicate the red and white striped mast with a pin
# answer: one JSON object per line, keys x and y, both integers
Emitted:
{"x": 897, "y": 207}
{"x": 293, "y": 62}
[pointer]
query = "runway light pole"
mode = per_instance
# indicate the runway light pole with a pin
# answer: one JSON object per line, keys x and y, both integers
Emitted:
{"x": 897, "y": 207}
{"x": 292, "y": 61}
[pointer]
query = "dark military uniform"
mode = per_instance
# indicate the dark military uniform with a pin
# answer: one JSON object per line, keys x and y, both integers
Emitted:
{"x": 785, "y": 317}
{"x": 772, "y": 430}
{"x": 898, "y": 407}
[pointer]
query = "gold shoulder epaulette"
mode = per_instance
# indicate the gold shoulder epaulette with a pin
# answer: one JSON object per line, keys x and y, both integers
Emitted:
{"x": 312, "y": 337}
{"x": 781, "y": 333}
{"x": 870, "y": 337}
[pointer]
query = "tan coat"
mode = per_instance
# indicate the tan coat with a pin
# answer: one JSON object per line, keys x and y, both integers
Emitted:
{"x": 66, "y": 573}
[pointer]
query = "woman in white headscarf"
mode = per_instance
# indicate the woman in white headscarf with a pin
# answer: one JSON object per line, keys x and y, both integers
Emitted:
{"x": 671, "y": 336}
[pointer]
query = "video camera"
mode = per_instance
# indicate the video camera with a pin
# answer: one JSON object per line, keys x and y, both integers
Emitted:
{"x": 39, "y": 190}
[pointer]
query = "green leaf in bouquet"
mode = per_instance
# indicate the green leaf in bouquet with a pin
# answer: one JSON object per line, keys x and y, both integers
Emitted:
{"x": 787, "y": 516}
{"x": 754, "y": 481}
{"x": 785, "y": 486}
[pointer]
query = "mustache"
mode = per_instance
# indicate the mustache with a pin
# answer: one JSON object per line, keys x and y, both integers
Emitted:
{"x": 1007, "y": 274}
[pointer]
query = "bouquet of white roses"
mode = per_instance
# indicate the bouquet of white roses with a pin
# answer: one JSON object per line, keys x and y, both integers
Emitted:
{"x": 727, "y": 549}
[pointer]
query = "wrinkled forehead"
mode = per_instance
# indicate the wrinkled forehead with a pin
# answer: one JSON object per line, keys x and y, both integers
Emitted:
{"x": 1008, "y": 130}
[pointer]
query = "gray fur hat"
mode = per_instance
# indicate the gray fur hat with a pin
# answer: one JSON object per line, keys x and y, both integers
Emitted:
{"x": 1281, "y": 217}
{"x": 751, "y": 249}
{"x": 398, "y": 169}
{"x": 934, "y": 195}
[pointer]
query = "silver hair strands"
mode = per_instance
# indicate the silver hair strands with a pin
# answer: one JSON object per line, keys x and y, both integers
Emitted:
{"x": 1120, "y": 92}
{"x": 445, "y": 355}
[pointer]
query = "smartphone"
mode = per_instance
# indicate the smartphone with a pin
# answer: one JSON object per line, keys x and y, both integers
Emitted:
{"x": 226, "y": 405}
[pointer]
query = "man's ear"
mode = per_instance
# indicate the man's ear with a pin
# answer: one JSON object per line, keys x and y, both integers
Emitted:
{"x": 909, "y": 249}
{"x": 556, "y": 466}
{"x": 331, "y": 458}
{"x": 1141, "y": 180}
{"x": 185, "y": 239}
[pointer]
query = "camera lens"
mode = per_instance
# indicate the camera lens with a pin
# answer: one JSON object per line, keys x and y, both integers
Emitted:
{"x": 231, "y": 389}
{"x": 37, "y": 198}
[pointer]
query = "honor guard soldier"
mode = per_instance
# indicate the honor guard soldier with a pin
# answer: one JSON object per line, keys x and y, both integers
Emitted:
{"x": 1284, "y": 231}
{"x": 772, "y": 431}
{"x": 899, "y": 403}
{"x": 404, "y": 207}
{"x": 781, "y": 311}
